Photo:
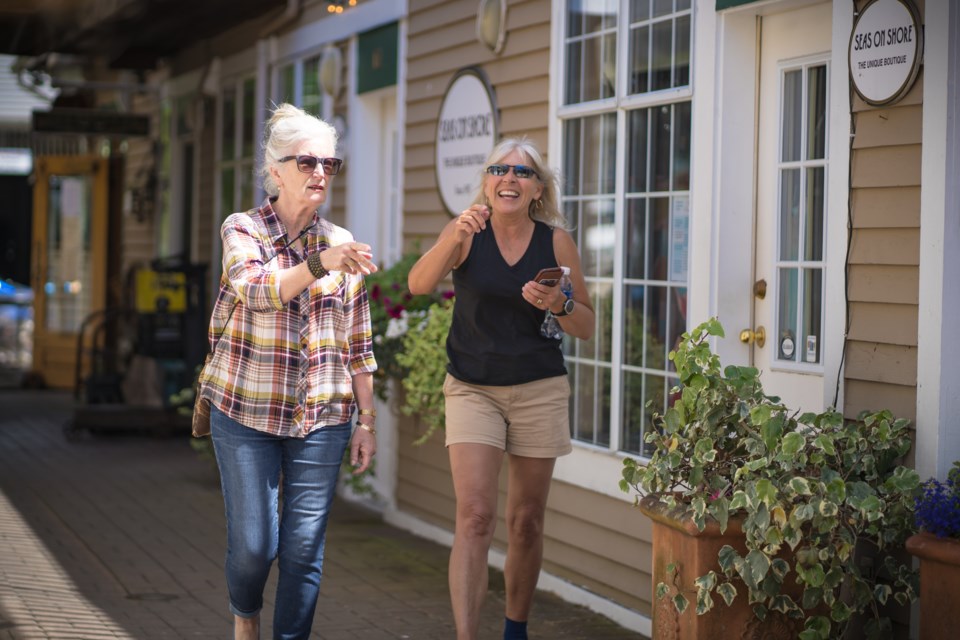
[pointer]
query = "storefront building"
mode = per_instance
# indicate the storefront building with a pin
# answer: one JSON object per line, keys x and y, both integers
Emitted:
{"x": 716, "y": 160}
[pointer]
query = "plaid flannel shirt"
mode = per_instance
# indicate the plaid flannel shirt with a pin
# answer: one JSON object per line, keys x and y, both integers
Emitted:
{"x": 285, "y": 369}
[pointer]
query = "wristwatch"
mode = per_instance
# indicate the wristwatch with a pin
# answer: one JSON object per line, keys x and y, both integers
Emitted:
{"x": 568, "y": 306}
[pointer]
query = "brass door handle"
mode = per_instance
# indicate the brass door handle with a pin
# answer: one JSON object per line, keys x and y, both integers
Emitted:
{"x": 749, "y": 337}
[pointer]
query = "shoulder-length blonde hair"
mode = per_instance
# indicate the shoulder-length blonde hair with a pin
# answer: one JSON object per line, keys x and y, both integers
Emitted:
{"x": 547, "y": 208}
{"x": 287, "y": 127}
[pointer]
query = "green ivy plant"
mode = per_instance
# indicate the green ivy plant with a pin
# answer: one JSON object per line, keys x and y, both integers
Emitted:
{"x": 810, "y": 491}
{"x": 424, "y": 356}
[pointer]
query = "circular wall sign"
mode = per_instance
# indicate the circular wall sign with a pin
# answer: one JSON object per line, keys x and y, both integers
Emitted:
{"x": 886, "y": 48}
{"x": 466, "y": 134}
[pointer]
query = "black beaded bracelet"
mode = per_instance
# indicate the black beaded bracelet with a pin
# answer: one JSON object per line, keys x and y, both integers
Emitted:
{"x": 316, "y": 265}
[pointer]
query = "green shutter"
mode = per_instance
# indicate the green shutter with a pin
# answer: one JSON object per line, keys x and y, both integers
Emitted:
{"x": 377, "y": 63}
{"x": 729, "y": 4}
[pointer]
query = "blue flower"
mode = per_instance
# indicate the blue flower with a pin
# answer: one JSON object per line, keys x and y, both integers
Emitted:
{"x": 938, "y": 507}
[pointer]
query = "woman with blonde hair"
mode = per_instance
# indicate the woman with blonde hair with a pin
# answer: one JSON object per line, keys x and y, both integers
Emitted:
{"x": 506, "y": 389}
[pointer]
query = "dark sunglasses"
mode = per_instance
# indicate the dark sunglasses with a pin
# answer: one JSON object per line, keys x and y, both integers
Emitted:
{"x": 519, "y": 170}
{"x": 308, "y": 164}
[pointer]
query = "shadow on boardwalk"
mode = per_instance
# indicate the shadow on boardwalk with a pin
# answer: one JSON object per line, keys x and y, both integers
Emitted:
{"x": 122, "y": 536}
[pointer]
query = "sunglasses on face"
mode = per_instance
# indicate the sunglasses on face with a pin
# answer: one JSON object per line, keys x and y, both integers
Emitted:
{"x": 519, "y": 170}
{"x": 308, "y": 164}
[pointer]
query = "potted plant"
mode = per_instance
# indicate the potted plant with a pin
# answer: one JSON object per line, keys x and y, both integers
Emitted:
{"x": 768, "y": 509}
{"x": 937, "y": 545}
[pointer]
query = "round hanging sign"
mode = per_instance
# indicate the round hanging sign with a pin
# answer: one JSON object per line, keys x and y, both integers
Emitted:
{"x": 466, "y": 134}
{"x": 886, "y": 49}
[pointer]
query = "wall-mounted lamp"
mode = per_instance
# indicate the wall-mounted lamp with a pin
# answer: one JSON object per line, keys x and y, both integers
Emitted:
{"x": 492, "y": 24}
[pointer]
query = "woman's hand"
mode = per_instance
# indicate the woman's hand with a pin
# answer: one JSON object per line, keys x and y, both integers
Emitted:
{"x": 543, "y": 297}
{"x": 471, "y": 221}
{"x": 352, "y": 257}
{"x": 363, "y": 446}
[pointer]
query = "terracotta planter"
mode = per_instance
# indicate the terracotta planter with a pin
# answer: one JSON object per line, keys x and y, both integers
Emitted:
{"x": 695, "y": 553}
{"x": 939, "y": 584}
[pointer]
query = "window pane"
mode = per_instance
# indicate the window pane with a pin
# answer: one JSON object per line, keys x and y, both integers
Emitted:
{"x": 660, "y": 147}
{"x": 662, "y": 7}
{"x": 599, "y": 237}
{"x": 229, "y": 116}
{"x": 576, "y": 12}
{"x": 682, "y": 61}
{"x": 678, "y": 319}
{"x": 637, "y": 150}
{"x": 789, "y": 214}
{"x": 791, "y": 117}
{"x": 574, "y": 71}
{"x": 660, "y": 71}
{"x": 248, "y": 118}
{"x": 681, "y": 146}
{"x": 814, "y": 214}
{"x": 633, "y": 334}
{"x": 787, "y": 320}
{"x": 311, "y": 86}
{"x": 812, "y": 310}
{"x": 608, "y": 70}
{"x": 226, "y": 193}
{"x": 598, "y": 164}
{"x": 602, "y": 298}
{"x": 605, "y": 404}
{"x": 632, "y": 431}
{"x": 571, "y": 159}
{"x": 639, "y": 10}
{"x": 638, "y": 73}
{"x": 592, "y": 69}
{"x": 285, "y": 84}
{"x": 586, "y": 394}
{"x": 816, "y": 112}
{"x": 635, "y": 240}
{"x": 246, "y": 186}
{"x": 657, "y": 323}
{"x": 659, "y": 240}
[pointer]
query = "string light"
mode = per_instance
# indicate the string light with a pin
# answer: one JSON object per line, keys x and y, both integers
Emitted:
{"x": 336, "y": 6}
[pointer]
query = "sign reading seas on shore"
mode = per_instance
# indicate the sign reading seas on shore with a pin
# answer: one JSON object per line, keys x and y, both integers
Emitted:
{"x": 886, "y": 48}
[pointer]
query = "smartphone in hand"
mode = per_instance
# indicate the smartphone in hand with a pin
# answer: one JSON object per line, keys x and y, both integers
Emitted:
{"x": 549, "y": 277}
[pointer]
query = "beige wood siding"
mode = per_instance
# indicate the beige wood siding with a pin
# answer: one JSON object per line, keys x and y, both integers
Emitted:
{"x": 884, "y": 258}
{"x": 593, "y": 541}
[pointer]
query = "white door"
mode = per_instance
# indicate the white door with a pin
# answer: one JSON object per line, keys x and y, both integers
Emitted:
{"x": 792, "y": 169}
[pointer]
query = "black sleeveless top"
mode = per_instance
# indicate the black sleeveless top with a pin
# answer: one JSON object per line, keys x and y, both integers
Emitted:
{"x": 495, "y": 335}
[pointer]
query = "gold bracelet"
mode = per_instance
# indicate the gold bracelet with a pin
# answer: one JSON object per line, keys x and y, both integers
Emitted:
{"x": 368, "y": 412}
{"x": 366, "y": 427}
{"x": 317, "y": 270}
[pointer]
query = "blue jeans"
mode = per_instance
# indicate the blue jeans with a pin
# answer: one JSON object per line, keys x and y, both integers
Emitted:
{"x": 252, "y": 464}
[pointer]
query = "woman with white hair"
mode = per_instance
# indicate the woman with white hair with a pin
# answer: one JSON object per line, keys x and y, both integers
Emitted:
{"x": 292, "y": 359}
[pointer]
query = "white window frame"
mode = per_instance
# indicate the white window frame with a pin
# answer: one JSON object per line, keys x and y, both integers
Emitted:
{"x": 592, "y": 466}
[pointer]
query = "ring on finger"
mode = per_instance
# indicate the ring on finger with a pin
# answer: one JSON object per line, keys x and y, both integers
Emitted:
{"x": 539, "y": 301}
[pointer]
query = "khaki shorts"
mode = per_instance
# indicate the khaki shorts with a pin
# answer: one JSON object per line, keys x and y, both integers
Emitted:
{"x": 531, "y": 419}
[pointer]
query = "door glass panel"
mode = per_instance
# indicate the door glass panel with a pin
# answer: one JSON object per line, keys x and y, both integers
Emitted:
{"x": 816, "y": 112}
{"x": 813, "y": 233}
{"x": 68, "y": 279}
{"x": 792, "y": 106}
{"x": 789, "y": 214}
{"x": 787, "y": 316}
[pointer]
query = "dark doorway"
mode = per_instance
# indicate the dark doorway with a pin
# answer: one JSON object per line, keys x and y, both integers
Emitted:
{"x": 16, "y": 216}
